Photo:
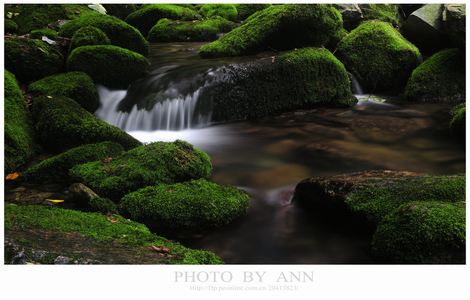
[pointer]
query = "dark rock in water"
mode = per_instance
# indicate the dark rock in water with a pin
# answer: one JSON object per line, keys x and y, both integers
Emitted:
{"x": 352, "y": 15}
{"x": 454, "y": 23}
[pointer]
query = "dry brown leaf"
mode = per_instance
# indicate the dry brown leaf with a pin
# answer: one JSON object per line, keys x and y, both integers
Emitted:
{"x": 12, "y": 176}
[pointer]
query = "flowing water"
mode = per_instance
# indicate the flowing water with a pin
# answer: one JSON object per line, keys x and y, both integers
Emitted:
{"x": 268, "y": 157}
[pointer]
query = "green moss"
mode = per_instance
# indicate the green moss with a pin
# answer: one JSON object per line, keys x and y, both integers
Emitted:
{"x": 189, "y": 31}
{"x": 109, "y": 65}
{"x": 39, "y": 33}
{"x": 99, "y": 227}
{"x": 278, "y": 27}
{"x": 246, "y": 10}
{"x": 31, "y": 59}
{"x": 195, "y": 205}
{"x": 379, "y": 56}
{"x": 226, "y": 11}
{"x": 120, "y": 10}
{"x": 303, "y": 78}
{"x": 88, "y": 35}
{"x": 10, "y": 26}
{"x": 62, "y": 123}
{"x": 422, "y": 232}
{"x": 19, "y": 143}
{"x": 382, "y": 12}
{"x": 146, "y": 17}
{"x": 457, "y": 123}
{"x": 377, "y": 199}
{"x": 103, "y": 205}
{"x": 57, "y": 167}
{"x": 119, "y": 32}
{"x": 440, "y": 78}
{"x": 150, "y": 164}
{"x": 75, "y": 85}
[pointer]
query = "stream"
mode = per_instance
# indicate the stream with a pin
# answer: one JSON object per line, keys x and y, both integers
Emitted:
{"x": 268, "y": 157}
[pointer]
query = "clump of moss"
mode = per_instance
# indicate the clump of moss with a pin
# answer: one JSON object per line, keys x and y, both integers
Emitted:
{"x": 422, "y": 232}
{"x": 103, "y": 205}
{"x": 75, "y": 85}
{"x": 246, "y": 10}
{"x": 195, "y": 205}
{"x": 151, "y": 164}
{"x": 10, "y": 26}
{"x": 57, "y": 167}
{"x": 19, "y": 142}
{"x": 377, "y": 199}
{"x": 120, "y": 10}
{"x": 383, "y": 12}
{"x": 440, "y": 78}
{"x": 39, "y": 33}
{"x": 99, "y": 227}
{"x": 88, "y": 35}
{"x": 302, "y": 78}
{"x": 31, "y": 59}
{"x": 109, "y": 65}
{"x": 167, "y": 30}
{"x": 226, "y": 11}
{"x": 61, "y": 124}
{"x": 279, "y": 27}
{"x": 457, "y": 122}
{"x": 119, "y": 32}
{"x": 379, "y": 56}
{"x": 146, "y": 17}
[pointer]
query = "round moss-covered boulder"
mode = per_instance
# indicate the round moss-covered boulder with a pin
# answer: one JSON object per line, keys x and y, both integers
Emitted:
{"x": 19, "y": 142}
{"x": 39, "y": 33}
{"x": 88, "y": 35}
{"x": 75, "y": 85}
{"x": 422, "y": 232}
{"x": 379, "y": 56}
{"x": 247, "y": 9}
{"x": 383, "y": 12}
{"x": 440, "y": 78}
{"x": 279, "y": 27}
{"x": 61, "y": 124}
{"x": 299, "y": 79}
{"x": 56, "y": 168}
{"x": 194, "y": 205}
{"x": 31, "y": 59}
{"x": 10, "y": 26}
{"x": 152, "y": 164}
{"x": 119, "y": 32}
{"x": 226, "y": 11}
{"x": 120, "y": 11}
{"x": 147, "y": 16}
{"x": 109, "y": 65}
{"x": 457, "y": 122}
{"x": 167, "y": 30}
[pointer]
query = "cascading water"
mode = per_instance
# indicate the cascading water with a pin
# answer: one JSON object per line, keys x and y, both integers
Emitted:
{"x": 356, "y": 86}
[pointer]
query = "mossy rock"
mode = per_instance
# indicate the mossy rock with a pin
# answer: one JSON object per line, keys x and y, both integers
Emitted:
{"x": 95, "y": 230}
{"x": 383, "y": 12}
{"x": 422, "y": 233}
{"x": 10, "y": 26}
{"x": 189, "y": 206}
{"x": 47, "y": 32}
{"x": 103, "y": 205}
{"x": 56, "y": 168}
{"x": 19, "y": 141}
{"x": 226, "y": 11}
{"x": 379, "y": 56}
{"x": 457, "y": 122}
{"x": 120, "y": 11}
{"x": 87, "y": 36}
{"x": 167, "y": 30}
{"x": 246, "y": 10}
{"x": 61, "y": 124}
{"x": 119, "y": 32}
{"x": 31, "y": 59}
{"x": 278, "y": 27}
{"x": 75, "y": 85}
{"x": 147, "y": 16}
{"x": 109, "y": 65}
{"x": 151, "y": 164}
{"x": 303, "y": 78}
{"x": 440, "y": 78}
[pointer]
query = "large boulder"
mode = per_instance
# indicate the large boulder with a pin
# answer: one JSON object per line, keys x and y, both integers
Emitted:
{"x": 119, "y": 32}
{"x": 152, "y": 164}
{"x": 147, "y": 16}
{"x": 31, "y": 59}
{"x": 75, "y": 85}
{"x": 454, "y": 23}
{"x": 190, "y": 206}
{"x": 19, "y": 142}
{"x": 440, "y": 78}
{"x": 61, "y": 124}
{"x": 279, "y": 27}
{"x": 302, "y": 78}
{"x": 226, "y": 11}
{"x": 247, "y": 9}
{"x": 88, "y": 35}
{"x": 167, "y": 30}
{"x": 120, "y": 11}
{"x": 379, "y": 56}
{"x": 422, "y": 232}
{"x": 109, "y": 65}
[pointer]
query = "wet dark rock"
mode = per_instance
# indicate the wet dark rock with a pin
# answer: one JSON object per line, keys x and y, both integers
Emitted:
{"x": 352, "y": 15}
{"x": 81, "y": 194}
{"x": 454, "y": 23}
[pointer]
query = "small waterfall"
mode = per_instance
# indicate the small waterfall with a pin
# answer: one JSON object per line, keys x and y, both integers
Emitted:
{"x": 170, "y": 114}
{"x": 356, "y": 86}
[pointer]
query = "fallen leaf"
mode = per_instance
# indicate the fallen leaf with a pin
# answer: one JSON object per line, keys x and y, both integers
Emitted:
{"x": 12, "y": 176}
{"x": 55, "y": 200}
{"x": 112, "y": 220}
